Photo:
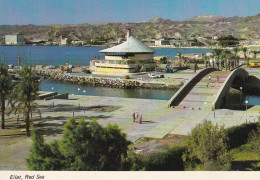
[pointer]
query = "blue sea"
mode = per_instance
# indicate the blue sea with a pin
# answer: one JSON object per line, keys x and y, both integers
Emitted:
{"x": 59, "y": 55}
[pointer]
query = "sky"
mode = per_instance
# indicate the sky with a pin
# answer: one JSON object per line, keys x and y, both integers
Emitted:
{"x": 43, "y": 12}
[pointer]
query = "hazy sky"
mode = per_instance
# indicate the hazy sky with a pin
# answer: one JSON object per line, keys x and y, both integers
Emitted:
{"x": 84, "y": 11}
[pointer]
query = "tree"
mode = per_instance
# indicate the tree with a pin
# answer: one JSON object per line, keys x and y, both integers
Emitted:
{"x": 84, "y": 146}
{"x": 5, "y": 88}
{"x": 207, "y": 148}
{"x": 236, "y": 57}
{"x": 217, "y": 53}
{"x": 26, "y": 92}
{"x": 254, "y": 139}
{"x": 226, "y": 41}
{"x": 43, "y": 156}
{"x": 255, "y": 53}
{"x": 244, "y": 49}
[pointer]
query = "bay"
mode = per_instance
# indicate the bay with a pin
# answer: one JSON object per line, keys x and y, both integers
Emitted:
{"x": 162, "y": 94}
{"x": 59, "y": 55}
{"x": 56, "y": 55}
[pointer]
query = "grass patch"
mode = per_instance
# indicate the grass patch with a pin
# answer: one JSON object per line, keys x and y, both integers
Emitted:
{"x": 244, "y": 153}
{"x": 102, "y": 108}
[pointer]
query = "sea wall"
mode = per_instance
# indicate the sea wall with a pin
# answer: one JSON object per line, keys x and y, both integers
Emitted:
{"x": 101, "y": 81}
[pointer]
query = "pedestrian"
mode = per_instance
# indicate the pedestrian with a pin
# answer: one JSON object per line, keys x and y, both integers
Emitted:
{"x": 217, "y": 79}
{"x": 133, "y": 117}
{"x": 140, "y": 119}
{"x": 209, "y": 78}
{"x": 207, "y": 84}
{"x": 136, "y": 117}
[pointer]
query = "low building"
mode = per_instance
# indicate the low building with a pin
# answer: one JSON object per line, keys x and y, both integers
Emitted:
{"x": 193, "y": 56}
{"x": 162, "y": 42}
{"x": 254, "y": 48}
{"x": 180, "y": 43}
{"x": 63, "y": 41}
{"x": 129, "y": 57}
{"x": 15, "y": 39}
{"x": 78, "y": 42}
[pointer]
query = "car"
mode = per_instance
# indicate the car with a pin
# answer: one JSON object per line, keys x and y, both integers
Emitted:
{"x": 155, "y": 75}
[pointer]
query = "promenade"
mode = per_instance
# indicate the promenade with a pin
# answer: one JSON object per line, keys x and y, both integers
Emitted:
{"x": 158, "y": 119}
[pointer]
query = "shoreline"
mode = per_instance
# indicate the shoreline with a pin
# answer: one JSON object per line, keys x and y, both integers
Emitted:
{"x": 159, "y": 47}
{"x": 110, "y": 82}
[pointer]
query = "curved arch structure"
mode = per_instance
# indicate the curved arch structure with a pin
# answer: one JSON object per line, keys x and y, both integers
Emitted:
{"x": 238, "y": 76}
{"x": 186, "y": 88}
{"x": 195, "y": 93}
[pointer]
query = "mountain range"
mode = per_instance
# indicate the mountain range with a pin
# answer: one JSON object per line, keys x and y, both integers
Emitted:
{"x": 156, "y": 28}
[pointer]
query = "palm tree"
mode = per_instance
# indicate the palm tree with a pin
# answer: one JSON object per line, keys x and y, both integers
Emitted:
{"x": 236, "y": 57}
{"x": 26, "y": 92}
{"x": 255, "y": 52}
{"x": 218, "y": 52}
{"x": 5, "y": 89}
{"x": 244, "y": 49}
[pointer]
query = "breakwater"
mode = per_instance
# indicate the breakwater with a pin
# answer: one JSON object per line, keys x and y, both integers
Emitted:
{"x": 59, "y": 76}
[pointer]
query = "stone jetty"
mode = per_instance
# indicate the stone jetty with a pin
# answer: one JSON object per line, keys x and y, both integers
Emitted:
{"x": 59, "y": 76}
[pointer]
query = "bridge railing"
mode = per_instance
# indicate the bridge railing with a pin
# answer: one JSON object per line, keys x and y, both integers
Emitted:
{"x": 186, "y": 88}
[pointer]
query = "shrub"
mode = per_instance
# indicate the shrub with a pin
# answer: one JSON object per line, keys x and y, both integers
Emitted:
{"x": 84, "y": 146}
{"x": 254, "y": 139}
{"x": 207, "y": 148}
{"x": 238, "y": 135}
{"x": 170, "y": 160}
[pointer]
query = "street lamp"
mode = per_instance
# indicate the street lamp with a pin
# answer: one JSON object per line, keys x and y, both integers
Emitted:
{"x": 52, "y": 97}
{"x": 73, "y": 107}
{"x": 241, "y": 93}
{"x": 214, "y": 108}
{"x": 246, "y": 109}
{"x": 78, "y": 94}
{"x": 84, "y": 91}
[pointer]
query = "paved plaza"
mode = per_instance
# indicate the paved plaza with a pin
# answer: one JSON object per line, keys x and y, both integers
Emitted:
{"x": 158, "y": 119}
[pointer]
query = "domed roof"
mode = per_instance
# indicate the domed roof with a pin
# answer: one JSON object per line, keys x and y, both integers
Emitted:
{"x": 132, "y": 45}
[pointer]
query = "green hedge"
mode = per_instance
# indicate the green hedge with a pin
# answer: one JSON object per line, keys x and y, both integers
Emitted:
{"x": 238, "y": 135}
{"x": 170, "y": 160}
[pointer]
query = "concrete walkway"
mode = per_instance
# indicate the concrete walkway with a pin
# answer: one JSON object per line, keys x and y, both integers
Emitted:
{"x": 158, "y": 119}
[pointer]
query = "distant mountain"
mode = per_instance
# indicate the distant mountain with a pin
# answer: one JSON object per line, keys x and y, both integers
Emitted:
{"x": 156, "y": 28}
{"x": 156, "y": 20}
{"x": 206, "y": 18}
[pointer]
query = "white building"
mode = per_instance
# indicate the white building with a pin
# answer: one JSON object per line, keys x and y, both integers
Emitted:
{"x": 129, "y": 57}
{"x": 63, "y": 41}
{"x": 14, "y": 39}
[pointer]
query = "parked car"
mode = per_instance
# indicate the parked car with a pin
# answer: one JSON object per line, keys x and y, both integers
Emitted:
{"x": 153, "y": 75}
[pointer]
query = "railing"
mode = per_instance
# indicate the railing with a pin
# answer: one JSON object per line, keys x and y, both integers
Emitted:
{"x": 116, "y": 65}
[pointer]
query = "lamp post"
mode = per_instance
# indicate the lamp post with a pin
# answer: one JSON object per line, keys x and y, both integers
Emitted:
{"x": 78, "y": 94}
{"x": 214, "y": 108}
{"x": 246, "y": 109}
{"x": 52, "y": 97}
{"x": 84, "y": 91}
{"x": 73, "y": 107}
{"x": 241, "y": 93}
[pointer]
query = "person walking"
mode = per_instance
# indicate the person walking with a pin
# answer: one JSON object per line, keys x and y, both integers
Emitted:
{"x": 209, "y": 78}
{"x": 133, "y": 117}
{"x": 217, "y": 79}
{"x": 140, "y": 119}
{"x": 136, "y": 117}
